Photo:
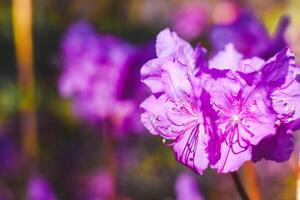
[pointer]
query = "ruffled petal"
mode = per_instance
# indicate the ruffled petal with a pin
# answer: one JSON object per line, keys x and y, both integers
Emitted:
{"x": 229, "y": 58}
{"x": 191, "y": 149}
{"x": 231, "y": 160}
{"x": 275, "y": 70}
{"x": 286, "y": 99}
{"x": 221, "y": 90}
{"x": 168, "y": 44}
{"x": 151, "y": 75}
{"x": 200, "y": 54}
{"x": 176, "y": 59}
{"x": 154, "y": 116}
{"x": 277, "y": 147}
{"x": 258, "y": 119}
{"x": 175, "y": 79}
{"x": 250, "y": 65}
{"x": 164, "y": 117}
{"x": 162, "y": 75}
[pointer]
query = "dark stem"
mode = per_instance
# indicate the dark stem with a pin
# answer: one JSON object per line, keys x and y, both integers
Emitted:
{"x": 239, "y": 186}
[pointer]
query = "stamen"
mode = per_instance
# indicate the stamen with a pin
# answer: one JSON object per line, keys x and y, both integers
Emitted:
{"x": 278, "y": 122}
{"x": 235, "y": 118}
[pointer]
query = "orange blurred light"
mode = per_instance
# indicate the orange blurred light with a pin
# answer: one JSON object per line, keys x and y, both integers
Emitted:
{"x": 22, "y": 25}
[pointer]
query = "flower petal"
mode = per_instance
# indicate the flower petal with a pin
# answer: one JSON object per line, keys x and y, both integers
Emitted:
{"x": 154, "y": 111}
{"x": 259, "y": 118}
{"x": 162, "y": 75}
{"x": 163, "y": 117}
{"x": 151, "y": 75}
{"x": 191, "y": 149}
{"x": 286, "y": 99}
{"x": 277, "y": 147}
{"x": 231, "y": 161}
{"x": 200, "y": 54}
{"x": 221, "y": 91}
{"x": 210, "y": 117}
{"x": 250, "y": 65}
{"x": 175, "y": 79}
{"x": 168, "y": 44}
{"x": 275, "y": 70}
{"x": 229, "y": 58}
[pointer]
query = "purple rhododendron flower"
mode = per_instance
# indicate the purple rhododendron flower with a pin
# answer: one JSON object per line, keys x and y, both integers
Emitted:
{"x": 92, "y": 72}
{"x": 186, "y": 188}
{"x": 244, "y": 118}
{"x": 278, "y": 76}
{"x": 101, "y": 71}
{"x": 249, "y": 36}
{"x": 214, "y": 113}
{"x": 174, "y": 111}
{"x": 39, "y": 189}
{"x": 79, "y": 53}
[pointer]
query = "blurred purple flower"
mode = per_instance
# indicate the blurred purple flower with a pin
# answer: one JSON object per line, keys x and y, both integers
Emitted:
{"x": 92, "y": 72}
{"x": 186, "y": 188}
{"x": 190, "y": 20}
{"x": 38, "y": 188}
{"x": 96, "y": 74}
{"x": 214, "y": 114}
{"x": 249, "y": 36}
{"x": 225, "y": 12}
{"x": 96, "y": 186}
{"x": 10, "y": 155}
{"x": 79, "y": 54}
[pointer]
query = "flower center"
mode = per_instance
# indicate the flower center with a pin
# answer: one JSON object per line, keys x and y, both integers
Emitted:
{"x": 235, "y": 118}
